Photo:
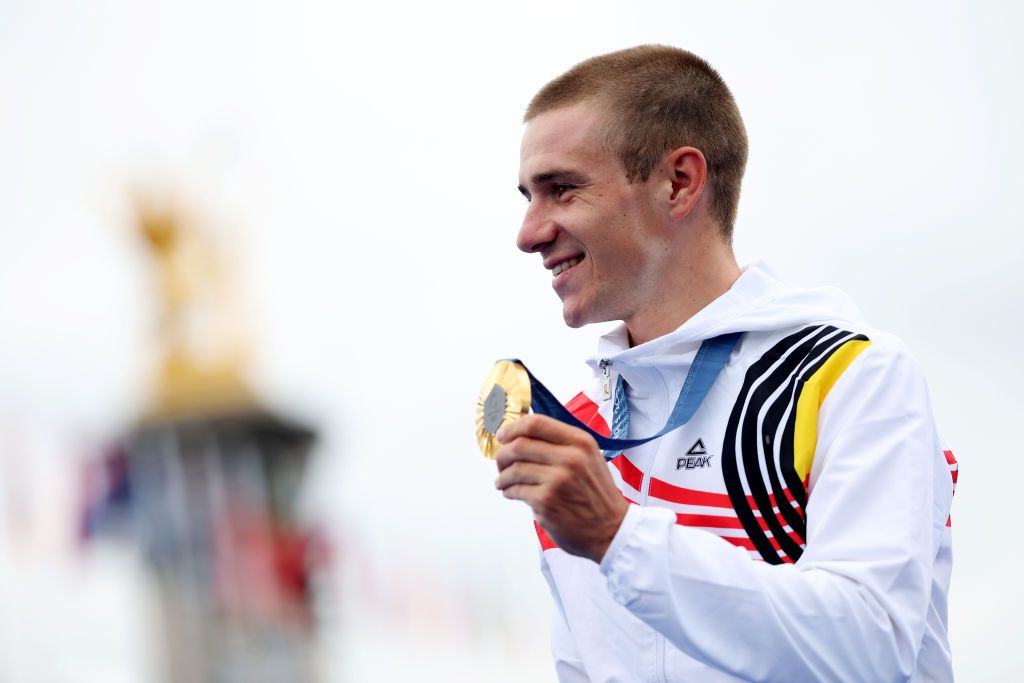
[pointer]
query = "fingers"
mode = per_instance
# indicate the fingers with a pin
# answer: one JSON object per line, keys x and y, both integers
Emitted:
{"x": 558, "y": 471}
{"x": 526, "y": 449}
{"x": 520, "y": 473}
{"x": 538, "y": 497}
{"x": 524, "y": 492}
{"x": 544, "y": 428}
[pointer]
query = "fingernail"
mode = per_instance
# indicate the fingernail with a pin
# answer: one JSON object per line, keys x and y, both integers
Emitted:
{"x": 500, "y": 434}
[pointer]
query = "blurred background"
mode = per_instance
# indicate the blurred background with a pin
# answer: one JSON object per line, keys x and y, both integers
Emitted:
{"x": 256, "y": 259}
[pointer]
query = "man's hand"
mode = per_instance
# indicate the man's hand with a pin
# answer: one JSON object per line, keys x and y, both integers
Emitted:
{"x": 560, "y": 473}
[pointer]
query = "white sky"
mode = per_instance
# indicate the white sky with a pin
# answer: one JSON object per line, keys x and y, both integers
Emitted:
{"x": 363, "y": 161}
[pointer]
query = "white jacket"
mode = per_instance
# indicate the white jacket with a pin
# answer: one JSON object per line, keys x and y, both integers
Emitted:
{"x": 815, "y": 450}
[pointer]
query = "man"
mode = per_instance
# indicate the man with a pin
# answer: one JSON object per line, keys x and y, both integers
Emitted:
{"x": 796, "y": 528}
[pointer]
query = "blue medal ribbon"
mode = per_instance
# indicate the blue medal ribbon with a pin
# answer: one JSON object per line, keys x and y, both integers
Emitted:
{"x": 711, "y": 357}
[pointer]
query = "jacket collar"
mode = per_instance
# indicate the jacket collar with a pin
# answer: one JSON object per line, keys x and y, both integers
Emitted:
{"x": 759, "y": 300}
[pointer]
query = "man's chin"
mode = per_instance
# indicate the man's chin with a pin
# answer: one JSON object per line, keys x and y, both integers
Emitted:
{"x": 577, "y": 317}
{"x": 572, "y": 318}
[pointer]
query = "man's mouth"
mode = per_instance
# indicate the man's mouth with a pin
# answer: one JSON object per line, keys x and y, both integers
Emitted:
{"x": 565, "y": 265}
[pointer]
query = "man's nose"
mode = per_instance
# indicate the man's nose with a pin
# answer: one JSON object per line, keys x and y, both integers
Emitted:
{"x": 537, "y": 231}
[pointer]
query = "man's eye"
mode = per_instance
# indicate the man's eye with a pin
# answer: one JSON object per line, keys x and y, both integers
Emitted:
{"x": 560, "y": 189}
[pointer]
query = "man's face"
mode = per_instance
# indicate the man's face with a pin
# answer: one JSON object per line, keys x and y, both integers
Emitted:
{"x": 602, "y": 238}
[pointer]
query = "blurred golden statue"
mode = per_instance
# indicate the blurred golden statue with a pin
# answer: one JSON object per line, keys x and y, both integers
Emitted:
{"x": 204, "y": 353}
{"x": 208, "y": 482}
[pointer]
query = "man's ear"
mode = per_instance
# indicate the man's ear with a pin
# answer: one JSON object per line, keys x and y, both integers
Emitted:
{"x": 687, "y": 171}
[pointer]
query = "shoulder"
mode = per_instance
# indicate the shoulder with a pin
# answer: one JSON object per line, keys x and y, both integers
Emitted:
{"x": 884, "y": 365}
{"x": 874, "y": 389}
{"x": 831, "y": 363}
{"x": 812, "y": 344}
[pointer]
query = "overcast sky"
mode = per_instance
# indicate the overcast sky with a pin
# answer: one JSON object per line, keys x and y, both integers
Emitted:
{"x": 362, "y": 161}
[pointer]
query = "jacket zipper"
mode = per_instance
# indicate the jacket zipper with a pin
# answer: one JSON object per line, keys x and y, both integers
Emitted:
{"x": 659, "y": 650}
{"x": 606, "y": 382}
{"x": 659, "y": 657}
{"x": 659, "y": 640}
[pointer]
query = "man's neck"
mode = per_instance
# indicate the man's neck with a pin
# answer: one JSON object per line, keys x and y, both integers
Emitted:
{"x": 707, "y": 276}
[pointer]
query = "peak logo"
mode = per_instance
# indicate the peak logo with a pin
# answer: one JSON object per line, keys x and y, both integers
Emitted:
{"x": 696, "y": 457}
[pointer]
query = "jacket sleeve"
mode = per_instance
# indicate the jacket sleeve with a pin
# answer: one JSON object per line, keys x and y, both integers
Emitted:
{"x": 853, "y": 608}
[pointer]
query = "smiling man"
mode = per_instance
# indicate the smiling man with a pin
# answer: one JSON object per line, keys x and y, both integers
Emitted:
{"x": 796, "y": 527}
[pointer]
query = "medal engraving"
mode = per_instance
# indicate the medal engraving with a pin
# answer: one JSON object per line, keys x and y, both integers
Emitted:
{"x": 494, "y": 409}
{"x": 504, "y": 398}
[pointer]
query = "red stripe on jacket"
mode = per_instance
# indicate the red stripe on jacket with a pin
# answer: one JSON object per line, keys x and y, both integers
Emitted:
{"x": 587, "y": 412}
{"x": 954, "y": 470}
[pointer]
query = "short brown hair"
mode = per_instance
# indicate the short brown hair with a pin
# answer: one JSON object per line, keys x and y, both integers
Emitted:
{"x": 659, "y": 98}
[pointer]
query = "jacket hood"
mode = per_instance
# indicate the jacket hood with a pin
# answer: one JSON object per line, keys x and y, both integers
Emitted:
{"x": 758, "y": 301}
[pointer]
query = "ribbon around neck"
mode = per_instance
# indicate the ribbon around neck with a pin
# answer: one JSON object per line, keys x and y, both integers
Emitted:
{"x": 711, "y": 357}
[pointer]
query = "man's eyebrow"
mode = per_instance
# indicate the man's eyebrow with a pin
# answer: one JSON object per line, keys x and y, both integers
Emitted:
{"x": 556, "y": 174}
{"x": 562, "y": 174}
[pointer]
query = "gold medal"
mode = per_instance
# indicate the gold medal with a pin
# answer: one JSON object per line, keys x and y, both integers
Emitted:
{"x": 504, "y": 398}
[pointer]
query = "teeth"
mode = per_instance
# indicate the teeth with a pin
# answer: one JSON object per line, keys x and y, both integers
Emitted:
{"x": 563, "y": 266}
